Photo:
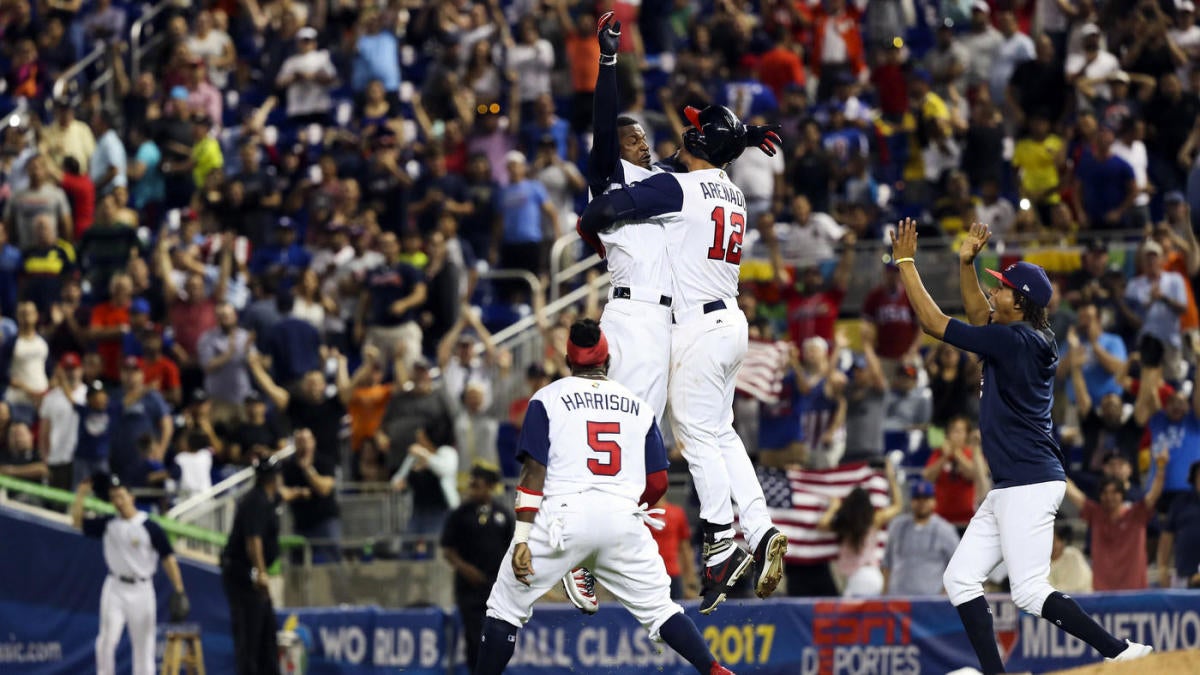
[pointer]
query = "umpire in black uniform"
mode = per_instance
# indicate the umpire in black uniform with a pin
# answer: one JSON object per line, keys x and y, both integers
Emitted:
{"x": 474, "y": 541}
{"x": 252, "y": 548}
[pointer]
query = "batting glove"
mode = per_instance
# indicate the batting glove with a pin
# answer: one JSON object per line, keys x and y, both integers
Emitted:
{"x": 608, "y": 32}
{"x": 766, "y": 137}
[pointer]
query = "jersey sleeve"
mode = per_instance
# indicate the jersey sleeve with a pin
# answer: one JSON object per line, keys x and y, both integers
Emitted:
{"x": 158, "y": 539}
{"x": 993, "y": 340}
{"x": 604, "y": 165}
{"x": 656, "y": 453}
{"x": 535, "y": 434}
{"x": 656, "y": 196}
{"x": 95, "y": 527}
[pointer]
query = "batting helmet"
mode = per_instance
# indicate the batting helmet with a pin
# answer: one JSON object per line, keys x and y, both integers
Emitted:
{"x": 717, "y": 135}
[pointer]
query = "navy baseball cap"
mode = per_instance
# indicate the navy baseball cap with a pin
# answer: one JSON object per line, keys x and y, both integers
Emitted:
{"x": 921, "y": 489}
{"x": 1027, "y": 279}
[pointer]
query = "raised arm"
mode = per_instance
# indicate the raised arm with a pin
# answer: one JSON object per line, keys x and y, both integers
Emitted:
{"x": 1160, "y": 477}
{"x": 605, "y": 156}
{"x": 886, "y": 514}
{"x": 1147, "y": 402}
{"x": 975, "y": 303}
{"x": 1075, "y": 495}
{"x": 278, "y": 395}
{"x": 904, "y": 246}
{"x": 655, "y": 196}
{"x": 1083, "y": 400}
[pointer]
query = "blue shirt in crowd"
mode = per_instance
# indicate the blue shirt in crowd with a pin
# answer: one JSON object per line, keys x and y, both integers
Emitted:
{"x": 131, "y": 422}
{"x": 1183, "y": 520}
{"x": 1099, "y": 381}
{"x": 109, "y": 153}
{"x": 294, "y": 346}
{"x": 1105, "y": 185}
{"x": 378, "y": 59}
{"x": 1182, "y": 439}
{"x": 522, "y": 204}
{"x": 11, "y": 264}
{"x": 151, "y": 188}
{"x": 388, "y": 283}
{"x": 779, "y": 424}
{"x": 95, "y": 432}
{"x": 1019, "y": 364}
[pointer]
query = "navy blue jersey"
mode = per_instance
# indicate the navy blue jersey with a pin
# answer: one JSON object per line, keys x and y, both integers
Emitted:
{"x": 1019, "y": 363}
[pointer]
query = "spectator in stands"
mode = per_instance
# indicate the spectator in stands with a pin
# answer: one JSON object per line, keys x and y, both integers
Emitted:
{"x": 111, "y": 321}
{"x": 919, "y": 546}
{"x": 1039, "y": 86}
{"x": 312, "y": 406}
{"x": 429, "y": 471}
{"x": 393, "y": 292}
{"x": 108, "y": 164}
{"x": 40, "y": 197}
{"x": 1174, "y": 428}
{"x": 206, "y": 156}
{"x": 370, "y": 395}
{"x": 160, "y": 372}
{"x": 144, "y": 171}
{"x": 81, "y": 193}
{"x": 284, "y": 256}
{"x": 857, "y": 522}
{"x": 476, "y": 429}
{"x": 212, "y": 44}
{"x": 313, "y": 500}
{"x": 377, "y": 54}
{"x": 1040, "y": 159}
{"x": 203, "y": 97}
{"x": 67, "y": 136}
{"x": 953, "y": 470}
{"x": 1102, "y": 355}
{"x": 527, "y": 210}
{"x": 474, "y": 542}
{"x": 308, "y": 77}
{"x": 192, "y": 308}
{"x": 193, "y": 464}
{"x": 27, "y": 75}
{"x": 11, "y": 265}
{"x": 1104, "y": 425}
{"x": 1105, "y": 186}
{"x": 1181, "y": 251}
{"x": 866, "y": 400}
{"x": 26, "y": 355}
{"x": 94, "y": 439}
{"x": 293, "y": 344}
{"x": 1182, "y": 533}
{"x": 1091, "y": 70}
{"x": 813, "y": 304}
{"x": 1118, "y": 530}
{"x": 175, "y": 138}
{"x": 221, "y": 352}
{"x": 675, "y": 547}
{"x": 909, "y": 404}
{"x": 890, "y": 321}
{"x": 137, "y": 410}
{"x": 421, "y": 410}
{"x": 954, "y": 383}
{"x": 258, "y": 436}
{"x": 49, "y": 263}
{"x": 1158, "y": 298}
{"x": 1069, "y": 568}
{"x": 58, "y": 420}
{"x": 19, "y": 459}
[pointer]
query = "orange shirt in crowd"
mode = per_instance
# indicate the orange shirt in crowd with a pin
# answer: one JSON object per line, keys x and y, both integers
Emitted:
{"x": 108, "y": 315}
{"x": 780, "y": 67}
{"x": 955, "y": 494}
{"x": 1190, "y": 319}
{"x": 367, "y": 405}
{"x": 583, "y": 55}
{"x": 669, "y": 538}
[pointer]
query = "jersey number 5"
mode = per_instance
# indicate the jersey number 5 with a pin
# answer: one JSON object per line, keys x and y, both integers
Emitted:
{"x": 612, "y": 466}
{"x": 737, "y": 222}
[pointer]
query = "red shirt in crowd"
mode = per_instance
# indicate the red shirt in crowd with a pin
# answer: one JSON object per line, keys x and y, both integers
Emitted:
{"x": 778, "y": 68}
{"x": 1118, "y": 546}
{"x": 896, "y": 327}
{"x": 669, "y": 538}
{"x": 814, "y": 314}
{"x": 955, "y": 493}
{"x": 82, "y": 195}
{"x": 190, "y": 320}
{"x": 161, "y": 374}
{"x": 108, "y": 315}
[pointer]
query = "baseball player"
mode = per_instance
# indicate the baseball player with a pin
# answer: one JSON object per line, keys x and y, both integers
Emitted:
{"x": 637, "y": 318}
{"x": 1015, "y": 523}
{"x": 704, "y": 217}
{"x": 591, "y": 453}
{"x": 133, "y": 547}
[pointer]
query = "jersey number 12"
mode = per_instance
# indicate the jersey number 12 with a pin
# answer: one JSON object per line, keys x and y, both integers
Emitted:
{"x": 612, "y": 466}
{"x": 732, "y": 253}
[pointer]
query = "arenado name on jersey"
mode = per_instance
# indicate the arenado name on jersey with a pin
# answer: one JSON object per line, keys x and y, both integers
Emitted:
{"x": 723, "y": 191}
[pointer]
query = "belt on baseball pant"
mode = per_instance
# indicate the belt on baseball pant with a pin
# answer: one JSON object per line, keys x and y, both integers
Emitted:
{"x": 130, "y": 580}
{"x": 697, "y": 311}
{"x": 641, "y": 295}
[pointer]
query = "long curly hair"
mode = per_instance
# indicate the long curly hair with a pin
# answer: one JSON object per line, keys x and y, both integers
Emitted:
{"x": 854, "y": 519}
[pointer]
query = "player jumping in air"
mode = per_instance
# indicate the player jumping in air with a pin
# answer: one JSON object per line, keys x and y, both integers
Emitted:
{"x": 591, "y": 454}
{"x": 637, "y": 318}
{"x": 1015, "y": 523}
{"x": 703, "y": 215}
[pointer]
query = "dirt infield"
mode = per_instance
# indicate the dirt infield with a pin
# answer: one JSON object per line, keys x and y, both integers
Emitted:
{"x": 1168, "y": 663}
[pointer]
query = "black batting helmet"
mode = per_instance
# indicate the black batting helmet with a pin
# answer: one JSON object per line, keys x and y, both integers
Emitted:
{"x": 717, "y": 135}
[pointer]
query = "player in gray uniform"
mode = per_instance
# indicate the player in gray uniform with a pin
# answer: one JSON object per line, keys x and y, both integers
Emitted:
{"x": 133, "y": 547}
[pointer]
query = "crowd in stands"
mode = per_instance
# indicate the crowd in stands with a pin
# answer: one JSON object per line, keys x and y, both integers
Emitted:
{"x": 277, "y": 219}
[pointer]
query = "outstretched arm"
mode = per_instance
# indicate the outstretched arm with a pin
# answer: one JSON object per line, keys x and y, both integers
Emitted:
{"x": 604, "y": 161}
{"x": 976, "y": 304}
{"x": 904, "y": 246}
{"x": 655, "y": 196}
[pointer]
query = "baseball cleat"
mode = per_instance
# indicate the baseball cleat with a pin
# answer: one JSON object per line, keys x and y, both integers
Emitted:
{"x": 718, "y": 669}
{"x": 722, "y": 576}
{"x": 580, "y": 586}
{"x": 1133, "y": 652}
{"x": 768, "y": 561}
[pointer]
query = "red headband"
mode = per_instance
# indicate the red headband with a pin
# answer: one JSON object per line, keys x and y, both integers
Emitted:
{"x": 588, "y": 356}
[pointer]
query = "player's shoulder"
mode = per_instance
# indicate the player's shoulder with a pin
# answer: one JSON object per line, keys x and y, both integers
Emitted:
{"x": 635, "y": 174}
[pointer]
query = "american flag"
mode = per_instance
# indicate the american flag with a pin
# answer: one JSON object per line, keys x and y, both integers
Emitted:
{"x": 796, "y": 499}
{"x": 763, "y": 368}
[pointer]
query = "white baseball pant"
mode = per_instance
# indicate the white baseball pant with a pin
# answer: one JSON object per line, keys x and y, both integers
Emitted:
{"x": 1013, "y": 525}
{"x": 601, "y": 532}
{"x": 122, "y": 603}
{"x": 639, "y": 342}
{"x": 706, "y": 354}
